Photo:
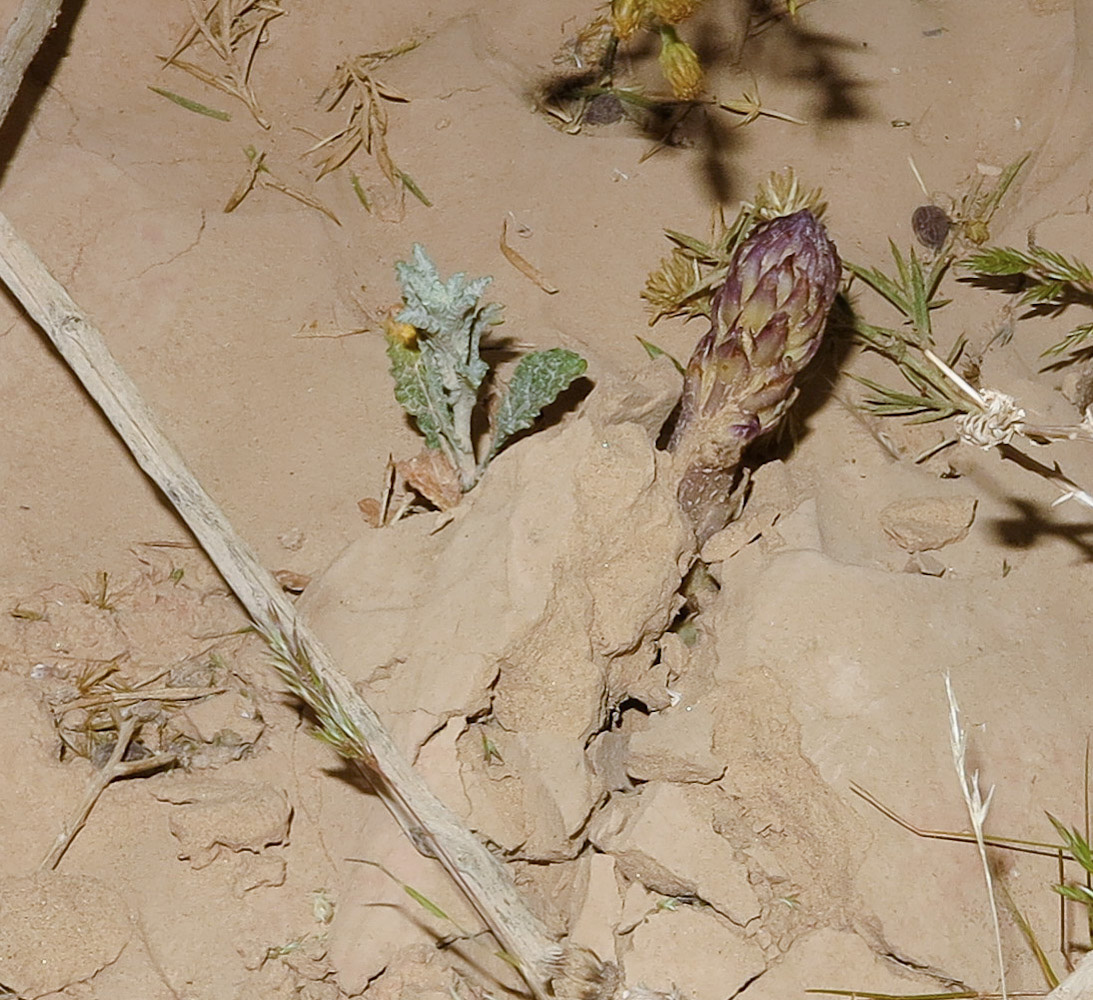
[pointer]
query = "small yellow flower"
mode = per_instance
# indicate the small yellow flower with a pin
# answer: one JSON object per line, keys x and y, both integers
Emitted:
{"x": 627, "y": 16}
{"x": 403, "y": 333}
{"x": 674, "y": 11}
{"x": 680, "y": 65}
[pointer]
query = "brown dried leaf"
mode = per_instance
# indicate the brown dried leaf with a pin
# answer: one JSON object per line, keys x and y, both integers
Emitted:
{"x": 244, "y": 187}
{"x": 268, "y": 180}
{"x": 431, "y": 474}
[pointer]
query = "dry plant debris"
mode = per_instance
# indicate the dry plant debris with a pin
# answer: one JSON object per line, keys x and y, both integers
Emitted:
{"x": 232, "y": 30}
{"x": 367, "y": 122}
{"x": 521, "y": 263}
{"x": 590, "y": 94}
{"x": 259, "y": 175}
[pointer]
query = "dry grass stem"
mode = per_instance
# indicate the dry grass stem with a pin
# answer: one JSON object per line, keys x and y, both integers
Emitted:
{"x": 24, "y": 37}
{"x": 517, "y": 260}
{"x": 259, "y": 175}
{"x": 232, "y": 30}
{"x": 366, "y": 124}
{"x": 1038, "y": 847}
{"x": 995, "y": 419}
{"x": 977, "y": 811}
{"x": 142, "y": 694}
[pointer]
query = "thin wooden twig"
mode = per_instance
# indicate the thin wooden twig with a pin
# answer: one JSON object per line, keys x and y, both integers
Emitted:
{"x": 427, "y": 821}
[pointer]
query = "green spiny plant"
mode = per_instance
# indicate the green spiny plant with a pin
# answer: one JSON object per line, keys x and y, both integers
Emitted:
{"x": 913, "y": 291}
{"x": 1050, "y": 283}
{"x": 434, "y": 345}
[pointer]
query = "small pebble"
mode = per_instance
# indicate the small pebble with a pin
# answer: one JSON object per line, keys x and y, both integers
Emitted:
{"x": 931, "y": 226}
{"x": 603, "y": 109}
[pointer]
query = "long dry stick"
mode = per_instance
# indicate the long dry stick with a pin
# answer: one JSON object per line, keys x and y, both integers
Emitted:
{"x": 1078, "y": 985}
{"x": 428, "y": 822}
{"x": 28, "y": 30}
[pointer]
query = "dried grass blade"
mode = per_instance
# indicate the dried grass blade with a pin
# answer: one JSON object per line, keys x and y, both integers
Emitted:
{"x": 201, "y": 23}
{"x": 305, "y": 199}
{"x": 248, "y": 61}
{"x": 339, "y": 156}
{"x": 221, "y": 83}
{"x": 243, "y": 188}
{"x": 521, "y": 264}
{"x": 187, "y": 39}
{"x": 333, "y": 137}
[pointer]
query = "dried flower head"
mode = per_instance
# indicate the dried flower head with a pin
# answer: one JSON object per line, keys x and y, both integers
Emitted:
{"x": 670, "y": 284}
{"x": 781, "y": 194}
{"x": 627, "y": 16}
{"x": 680, "y": 66}
{"x": 674, "y": 11}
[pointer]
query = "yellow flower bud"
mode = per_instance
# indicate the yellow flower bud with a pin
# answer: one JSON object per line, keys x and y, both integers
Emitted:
{"x": 627, "y": 16}
{"x": 680, "y": 65}
{"x": 401, "y": 333}
{"x": 674, "y": 11}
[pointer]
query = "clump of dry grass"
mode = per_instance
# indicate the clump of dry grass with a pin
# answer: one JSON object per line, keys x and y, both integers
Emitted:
{"x": 231, "y": 31}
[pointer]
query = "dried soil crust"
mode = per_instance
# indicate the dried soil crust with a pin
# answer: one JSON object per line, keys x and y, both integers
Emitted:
{"x": 686, "y": 811}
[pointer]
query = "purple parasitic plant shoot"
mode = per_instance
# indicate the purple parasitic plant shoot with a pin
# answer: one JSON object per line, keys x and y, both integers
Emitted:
{"x": 767, "y": 322}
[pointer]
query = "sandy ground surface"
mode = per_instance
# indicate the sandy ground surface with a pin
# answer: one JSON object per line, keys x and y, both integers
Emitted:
{"x": 686, "y": 811}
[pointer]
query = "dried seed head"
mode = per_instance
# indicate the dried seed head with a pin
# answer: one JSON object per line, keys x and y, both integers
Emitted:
{"x": 674, "y": 11}
{"x": 627, "y": 16}
{"x": 931, "y": 226}
{"x": 680, "y": 65}
{"x": 782, "y": 194}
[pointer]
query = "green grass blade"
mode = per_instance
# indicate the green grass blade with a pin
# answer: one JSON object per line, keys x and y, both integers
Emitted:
{"x": 424, "y": 901}
{"x": 411, "y": 185}
{"x": 658, "y": 352}
{"x": 189, "y": 105}
{"x": 882, "y": 285}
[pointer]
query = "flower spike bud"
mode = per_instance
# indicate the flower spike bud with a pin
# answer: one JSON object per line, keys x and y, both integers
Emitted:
{"x": 767, "y": 323}
{"x": 680, "y": 65}
{"x": 627, "y": 16}
{"x": 674, "y": 11}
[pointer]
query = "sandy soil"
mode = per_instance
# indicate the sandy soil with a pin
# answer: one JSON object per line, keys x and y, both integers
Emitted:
{"x": 686, "y": 811}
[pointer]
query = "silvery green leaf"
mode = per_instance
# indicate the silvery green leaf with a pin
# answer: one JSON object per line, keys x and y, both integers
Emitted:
{"x": 538, "y": 380}
{"x": 420, "y": 392}
{"x": 449, "y": 317}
